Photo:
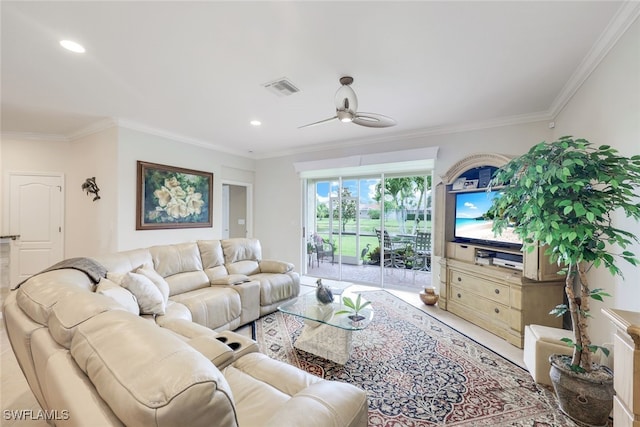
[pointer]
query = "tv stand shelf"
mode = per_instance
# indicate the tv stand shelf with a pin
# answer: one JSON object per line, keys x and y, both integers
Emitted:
{"x": 500, "y": 289}
{"x": 487, "y": 256}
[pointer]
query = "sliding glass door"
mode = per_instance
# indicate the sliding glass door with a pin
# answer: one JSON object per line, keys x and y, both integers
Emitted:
{"x": 364, "y": 229}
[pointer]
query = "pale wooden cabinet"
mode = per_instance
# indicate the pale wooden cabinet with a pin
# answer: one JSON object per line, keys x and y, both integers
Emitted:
{"x": 498, "y": 299}
{"x": 626, "y": 367}
{"x": 502, "y": 299}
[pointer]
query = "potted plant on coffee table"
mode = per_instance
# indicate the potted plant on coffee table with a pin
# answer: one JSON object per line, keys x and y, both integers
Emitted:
{"x": 562, "y": 195}
{"x": 354, "y": 308}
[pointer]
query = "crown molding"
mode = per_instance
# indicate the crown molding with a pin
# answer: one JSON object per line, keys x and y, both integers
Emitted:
{"x": 619, "y": 24}
{"x": 34, "y": 136}
{"x": 416, "y": 134}
{"x": 95, "y": 127}
{"x": 179, "y": 138}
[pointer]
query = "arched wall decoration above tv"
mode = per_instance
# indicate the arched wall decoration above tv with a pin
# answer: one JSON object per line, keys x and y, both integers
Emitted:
{"x": 474, "y": 161}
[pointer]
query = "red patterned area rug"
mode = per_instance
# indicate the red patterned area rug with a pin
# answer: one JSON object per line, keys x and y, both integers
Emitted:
{"x": 418, "y": 372}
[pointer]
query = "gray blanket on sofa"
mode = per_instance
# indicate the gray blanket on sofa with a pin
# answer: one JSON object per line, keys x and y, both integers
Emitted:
{"x": 90, "y": 267}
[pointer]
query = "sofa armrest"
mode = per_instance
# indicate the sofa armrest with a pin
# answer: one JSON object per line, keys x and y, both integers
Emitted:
{"x": 250, "y": 298}
{"x": 324, "y": 404}
{"x": 213, "y": 349}
{"x": 274, "y": 266}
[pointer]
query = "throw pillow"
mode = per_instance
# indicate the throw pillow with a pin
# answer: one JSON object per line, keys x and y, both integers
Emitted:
{"x": 149, "y": 297}
{"x": 116, "y": 292}
{"x": 149, "y": 272}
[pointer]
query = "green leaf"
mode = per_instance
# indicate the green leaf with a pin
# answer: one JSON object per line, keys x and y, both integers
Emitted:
{"x": 559, "y": 311}
{"x": 577, "y": 369}
{"x": 579, "y": 209}
{"x": 348, "y": 302}
{"x": 568, "y": 341}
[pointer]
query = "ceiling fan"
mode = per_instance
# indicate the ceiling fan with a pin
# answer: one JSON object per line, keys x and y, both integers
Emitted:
{"x": 347, "y": 109}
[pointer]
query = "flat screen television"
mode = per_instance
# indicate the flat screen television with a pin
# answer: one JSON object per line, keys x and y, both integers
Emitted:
{"x": 472, "y": 224}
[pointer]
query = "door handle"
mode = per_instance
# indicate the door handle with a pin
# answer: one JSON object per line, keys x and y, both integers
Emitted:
{"x": 11, "y": 236}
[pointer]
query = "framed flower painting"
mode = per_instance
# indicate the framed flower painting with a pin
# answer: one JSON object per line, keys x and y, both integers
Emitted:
{"x": 171, "y": 197}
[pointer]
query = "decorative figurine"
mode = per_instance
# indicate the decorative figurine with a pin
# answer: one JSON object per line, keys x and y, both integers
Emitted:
{"x": 323, "y": 294}
{"x": 90, "y": 186}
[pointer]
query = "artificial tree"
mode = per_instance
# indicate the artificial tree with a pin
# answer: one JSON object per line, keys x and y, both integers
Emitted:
{"x": 562, "y": 195}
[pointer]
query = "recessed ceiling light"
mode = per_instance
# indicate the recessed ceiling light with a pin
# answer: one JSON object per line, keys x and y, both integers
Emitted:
{"x": 255, "y": 122}
{"x": 72, "y": 46}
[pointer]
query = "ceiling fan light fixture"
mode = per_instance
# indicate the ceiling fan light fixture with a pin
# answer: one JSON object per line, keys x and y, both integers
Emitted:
{"x": 345, "y": 116}
{"x": 347, "y": 110}
{"x": 346, "y": 99}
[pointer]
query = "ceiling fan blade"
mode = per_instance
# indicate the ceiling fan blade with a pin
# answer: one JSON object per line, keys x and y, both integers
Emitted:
{"x": 318, "y": 123}
{"x": 373, "y": 120}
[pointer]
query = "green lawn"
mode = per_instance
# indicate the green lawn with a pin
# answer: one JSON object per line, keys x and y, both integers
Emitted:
{"x": 367, "y": 233}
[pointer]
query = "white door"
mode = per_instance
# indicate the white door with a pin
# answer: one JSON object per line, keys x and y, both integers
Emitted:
{"x": 36, "y": 213}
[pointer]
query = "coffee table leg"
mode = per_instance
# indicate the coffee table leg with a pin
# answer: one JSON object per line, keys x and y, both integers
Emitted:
{"x": 326, "y": 341}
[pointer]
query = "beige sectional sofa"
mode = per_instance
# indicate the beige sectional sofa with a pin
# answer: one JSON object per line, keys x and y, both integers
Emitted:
{"x": 92, "y": 357}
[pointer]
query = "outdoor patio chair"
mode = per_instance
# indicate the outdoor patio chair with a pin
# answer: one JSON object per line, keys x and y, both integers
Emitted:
{"x": 421, "y": 258}
{"x": 324, "y": 250}
{"x": 392, "y": 257}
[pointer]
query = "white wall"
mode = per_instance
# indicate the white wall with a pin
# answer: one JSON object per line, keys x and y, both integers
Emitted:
{"x": 278, "y": 190}
{"x": 91, "y": 226}
{"x": 606, "y": 110}
{"x": 133, "y": 146}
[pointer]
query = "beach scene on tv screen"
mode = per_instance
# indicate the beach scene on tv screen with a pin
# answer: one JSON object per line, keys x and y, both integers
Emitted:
{"x": 471, "y": 222}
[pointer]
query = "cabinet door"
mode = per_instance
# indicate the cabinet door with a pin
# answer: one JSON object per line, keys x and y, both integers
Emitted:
{"x": 537, "y": 266}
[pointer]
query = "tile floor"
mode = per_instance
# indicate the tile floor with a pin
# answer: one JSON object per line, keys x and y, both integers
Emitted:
{"x": 15, "y": 393}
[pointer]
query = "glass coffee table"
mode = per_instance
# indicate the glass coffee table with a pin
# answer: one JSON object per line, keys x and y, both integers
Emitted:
{"x": 325, "y": 333}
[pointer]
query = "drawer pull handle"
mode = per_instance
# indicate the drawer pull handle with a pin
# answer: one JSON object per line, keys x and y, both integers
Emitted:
{"x": 459, "y": 296}
{"x": 497, "y": 310}
{"x": 497, "y": 291}
{"x": 459, "y": 279}
{"x": 464, "y": 246}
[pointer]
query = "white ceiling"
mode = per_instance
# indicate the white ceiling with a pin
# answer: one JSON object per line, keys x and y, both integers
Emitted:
{"x": 195, "y": 70}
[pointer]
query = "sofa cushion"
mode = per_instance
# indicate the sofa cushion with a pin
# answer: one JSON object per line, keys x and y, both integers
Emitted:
{"x": 189, "y": 281}
{"x": 147, "y": 294}
{"x": 217, "y": 272}
{"x": 68, "y": 391}
{"x": 246, "y": 267}
{"x": 150, "y": 377}
{"x": 214, "y": 307}
{"x": 277, "y": 287}
{"x": 40, "y": 293}
{"x": 240, "y": 249}
{"x": 119, "y": 294}
{"x": 173, "y": 259}
{"x": 211, "y": 253}
{"x": 174, "y": 310}
{"x": 70, "y": 313}
{"x": 261, "y": 386}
